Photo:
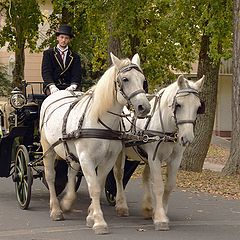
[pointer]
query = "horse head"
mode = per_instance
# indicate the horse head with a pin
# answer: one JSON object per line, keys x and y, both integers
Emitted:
{"x": 186, "y": 105}
{"x": 129, "y": 85}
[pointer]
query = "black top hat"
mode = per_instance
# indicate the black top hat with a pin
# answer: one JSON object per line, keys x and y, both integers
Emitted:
{"x": 65, "y": 30}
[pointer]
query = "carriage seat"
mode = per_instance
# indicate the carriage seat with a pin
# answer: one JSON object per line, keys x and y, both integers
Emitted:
{"x": 37, "y": 98}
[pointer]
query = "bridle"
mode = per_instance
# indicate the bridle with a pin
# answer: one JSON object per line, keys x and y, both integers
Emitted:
{"x": 167, "y": 136}
{"x": 174, "y": 106}
{"x": 119, "y": 83}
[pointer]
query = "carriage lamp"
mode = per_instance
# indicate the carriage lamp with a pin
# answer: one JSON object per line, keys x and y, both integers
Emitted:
{"x": 17, "y": 99}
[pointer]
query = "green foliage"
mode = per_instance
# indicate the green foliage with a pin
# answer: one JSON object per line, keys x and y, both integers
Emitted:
{"x": 166, "y": 33}
{"x": 212, "y": 18}
{"x": 21, "y": 24}
{"x": 5, "y": 84}
{"x": 20, "y": 31}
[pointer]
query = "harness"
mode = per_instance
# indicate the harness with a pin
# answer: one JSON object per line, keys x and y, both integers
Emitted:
{"x": 108, "y": 133}
{"x": 152, "y": 135}
{"x": 179, "y": 92}
{"x": 134, "y": 138}
{"x": 120, "y": 85}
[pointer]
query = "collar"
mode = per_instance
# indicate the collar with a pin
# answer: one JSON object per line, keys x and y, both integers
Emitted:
{"x": 62, "y": 50}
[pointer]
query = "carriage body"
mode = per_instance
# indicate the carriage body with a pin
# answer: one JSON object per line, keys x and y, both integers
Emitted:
{"x": 20, "y": 148}
{"x": 19, "y": 127}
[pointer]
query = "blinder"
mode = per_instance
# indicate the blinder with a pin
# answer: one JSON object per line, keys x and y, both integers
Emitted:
{"x": 201, "y": 109}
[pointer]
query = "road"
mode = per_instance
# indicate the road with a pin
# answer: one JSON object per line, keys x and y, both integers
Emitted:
{"x": 192, "y": 216}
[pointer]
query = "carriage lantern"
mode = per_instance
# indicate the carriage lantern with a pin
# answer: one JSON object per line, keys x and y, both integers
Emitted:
{"x": 17, "y": 99}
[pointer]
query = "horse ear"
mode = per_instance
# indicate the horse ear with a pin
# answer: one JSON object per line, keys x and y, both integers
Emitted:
{"x": 136, "y": 60}
{"x": 116, "y": 62}
{"x": 199, "y": 83}
{"x": 181, "y": 81}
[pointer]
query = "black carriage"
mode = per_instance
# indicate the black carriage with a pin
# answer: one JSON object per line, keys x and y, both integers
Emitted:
{"x": 20, "y": 148}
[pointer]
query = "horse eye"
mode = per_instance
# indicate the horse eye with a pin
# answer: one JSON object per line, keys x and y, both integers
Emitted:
{"x": 178, "y": 105}
{"x": 124, "y": 79}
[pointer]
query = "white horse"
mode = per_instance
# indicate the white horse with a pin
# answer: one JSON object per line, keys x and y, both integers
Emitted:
{"x": 173, "y": 115}
{"x": 92, "y": 133}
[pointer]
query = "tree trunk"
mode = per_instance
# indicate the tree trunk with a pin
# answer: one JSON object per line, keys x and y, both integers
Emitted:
{"x": 66, "y": 15}
{"x": 18, "y": 71}
{"x": 233, "y": 164}
{"x": 134, "y": 44}
{"x": 195, "y": 154}
{"x": 114, "y": 44}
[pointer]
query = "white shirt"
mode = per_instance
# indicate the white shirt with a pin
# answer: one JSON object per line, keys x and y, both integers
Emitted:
{"x": 63, "y": 53}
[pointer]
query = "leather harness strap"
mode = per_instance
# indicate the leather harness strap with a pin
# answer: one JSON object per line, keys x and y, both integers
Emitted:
{"x": 91, "y": 132}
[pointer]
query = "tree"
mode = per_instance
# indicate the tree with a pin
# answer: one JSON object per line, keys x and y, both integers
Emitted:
{"x": 74, "y": 13}
{"x": 5, "y": 84}
{"x": 165, "y": 33}
{"x": 20, "y": 31}
{"x": 214, "y": 21}
{"x": 233, "y": 164}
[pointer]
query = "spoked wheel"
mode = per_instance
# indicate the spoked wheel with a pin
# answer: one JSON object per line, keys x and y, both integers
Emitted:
{"x": 110, "y": 184}
{"x": 23, "y": 177}
{"x": 61, "y": 177}
{"x": 110, "y": 198}
{"x": 111, "y": 189}
{"x": 78, "y": 180}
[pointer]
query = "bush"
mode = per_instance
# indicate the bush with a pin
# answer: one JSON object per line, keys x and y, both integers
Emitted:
{"x": 5, "y": 83}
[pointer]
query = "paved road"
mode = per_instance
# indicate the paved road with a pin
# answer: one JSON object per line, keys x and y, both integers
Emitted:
{"x": 193, "y": 216}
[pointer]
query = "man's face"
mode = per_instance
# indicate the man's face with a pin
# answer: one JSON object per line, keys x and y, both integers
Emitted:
{"x": 63, "y": 40}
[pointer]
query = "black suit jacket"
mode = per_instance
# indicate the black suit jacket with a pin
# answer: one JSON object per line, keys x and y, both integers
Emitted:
{"x": 54, "y": 72}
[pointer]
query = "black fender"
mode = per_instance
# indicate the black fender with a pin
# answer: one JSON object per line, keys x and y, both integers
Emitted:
{"x": 6, "y": 147}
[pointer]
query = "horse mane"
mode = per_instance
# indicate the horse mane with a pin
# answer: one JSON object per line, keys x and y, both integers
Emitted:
{"x": 104, "y": 95}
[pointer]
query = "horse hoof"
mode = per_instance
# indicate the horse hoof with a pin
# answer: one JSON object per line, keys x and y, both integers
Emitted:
{"x": 57, "y": 217}
{"x": 122, "y": 212}
{"x": 89, "y": 222}
{"x": 162, "y": 226}
{"x": 100, "y": 230}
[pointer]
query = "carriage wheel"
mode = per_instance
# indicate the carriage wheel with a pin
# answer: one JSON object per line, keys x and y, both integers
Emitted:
{"x": 110, "y": 198}
{"x": 78, "y": 180}
{"x": 23, "y": 177}
{"x": 61, "y": 178}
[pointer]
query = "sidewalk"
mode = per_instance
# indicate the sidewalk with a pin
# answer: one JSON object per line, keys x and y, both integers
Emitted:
{"x": 222, "y": 142}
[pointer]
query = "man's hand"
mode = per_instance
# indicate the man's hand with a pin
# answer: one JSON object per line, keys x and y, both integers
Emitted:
{"x": 53, "y": 89}
{"x": 72, "y": 87}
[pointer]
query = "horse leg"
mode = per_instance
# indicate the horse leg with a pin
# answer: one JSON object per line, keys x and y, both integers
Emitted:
{"x": 95, "y": 216}
{"x": 160, "y": 218}
{"x": 170, "y": 184}
{"x": 121, "y": 202}
{"x": 147, "y": 209}
{"x": 70, "y": 196}
{"x": 48, "y": 161}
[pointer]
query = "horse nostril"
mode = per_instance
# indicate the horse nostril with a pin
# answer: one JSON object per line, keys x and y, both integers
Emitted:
{"x": 185, "y": 142}
{"x": 141, "y": 108}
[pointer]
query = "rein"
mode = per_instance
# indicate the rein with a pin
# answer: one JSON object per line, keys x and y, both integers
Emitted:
{"x": 108, "y": 133}
{"x": 163, "y": 136}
